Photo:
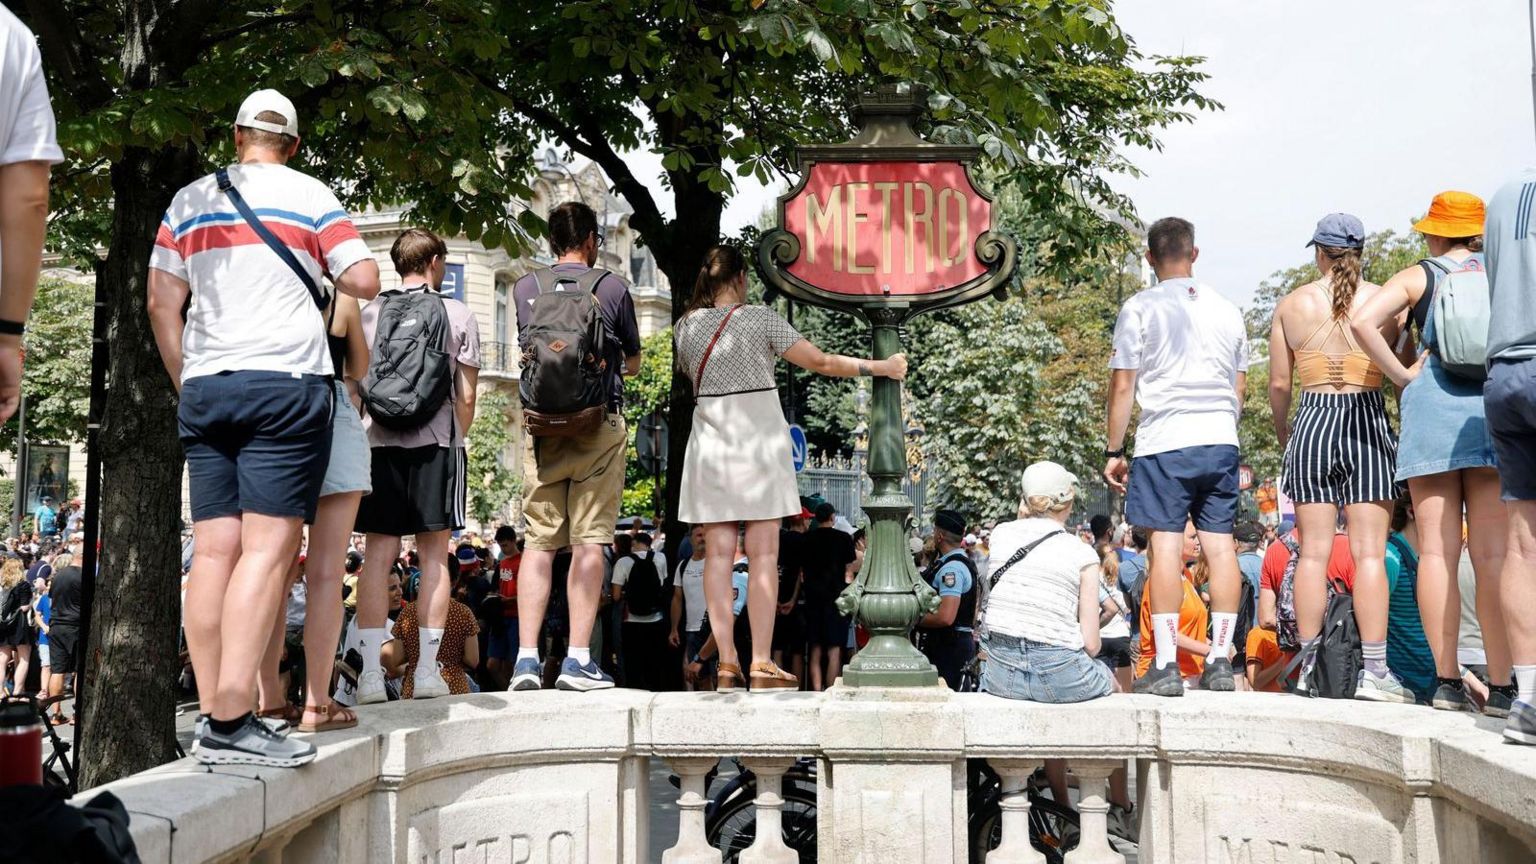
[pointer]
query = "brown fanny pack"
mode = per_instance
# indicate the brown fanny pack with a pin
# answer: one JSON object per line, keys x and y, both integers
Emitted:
{"x": 581, "y": 423}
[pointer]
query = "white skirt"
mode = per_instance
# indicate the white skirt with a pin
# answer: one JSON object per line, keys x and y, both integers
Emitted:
{"x": 739, "y": 467}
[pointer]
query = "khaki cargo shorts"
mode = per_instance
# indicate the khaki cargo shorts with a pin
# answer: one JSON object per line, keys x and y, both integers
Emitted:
{"x": 572, "y": 487}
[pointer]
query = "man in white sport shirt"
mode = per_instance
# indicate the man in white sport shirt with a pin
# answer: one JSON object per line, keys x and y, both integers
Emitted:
{"x": 250, "y": 362}
{"x": 1182, "y": 350}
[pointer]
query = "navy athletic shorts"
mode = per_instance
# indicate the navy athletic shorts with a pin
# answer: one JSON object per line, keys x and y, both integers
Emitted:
{"x": 1173, "y": 487}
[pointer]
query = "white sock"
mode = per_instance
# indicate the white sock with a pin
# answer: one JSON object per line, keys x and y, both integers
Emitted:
{"x": 582, "y": 655}
{"x": 373, "y": 646}
{"x": 431, "y": 641}
{"x": 526, "y": 654}
{"x": 1165, "y": 636}
{"x": 1525, "y": 683}
{"x": 1222, "y": 626}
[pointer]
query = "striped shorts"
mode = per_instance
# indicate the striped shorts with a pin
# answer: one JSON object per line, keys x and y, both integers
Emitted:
{"x": 1342, "y": 450}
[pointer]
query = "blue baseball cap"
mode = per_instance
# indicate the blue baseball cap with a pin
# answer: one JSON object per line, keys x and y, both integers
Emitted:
{"x": 1339, "y": 230}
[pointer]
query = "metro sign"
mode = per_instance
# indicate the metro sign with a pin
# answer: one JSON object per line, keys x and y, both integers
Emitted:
{"x": 887, "y": 229}
{"x": 886, "y": 221}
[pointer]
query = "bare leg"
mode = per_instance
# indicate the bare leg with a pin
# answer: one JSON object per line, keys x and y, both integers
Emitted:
{"x": 322, "y": 584}
{"x": 1437, "y": 506}
{"x": 23, "y": 665}
{"x": 270, "y": 689}
{"x": 763, "y": 584}
{"x": 1316, "y": 524}
{"x": 1164, "y": 570}
{"x": 372, "y": 586}
{"x": 7, "y": 653}
{"x": 1487, "y": 540}
{"x": 834, "y": 664}
{"x": 1119, "y": 788}
{"x": 1056, "y": 776}
{"x": 216, "y": 550}
{"x": 1226, "y": 586}
{"x": 1369, "y": 524}
{"x": 583, "y": 591}
{"x": 251, "y": 600}
{"x": 719, "y": 548}
{"x": 533, "y": 596}
{"x": 1518, "y": 584}
{"x": 817, "y": 684}
{"x": 432, "y": 599}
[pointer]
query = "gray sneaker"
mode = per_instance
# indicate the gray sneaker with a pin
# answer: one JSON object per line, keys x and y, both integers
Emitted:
{"x": 1500, "y": 699}
{"x": 1450, "y": 697}
{"x": 200, "y": 728}
{"x": 1217, "y": 675}
{"x": 1386, "y": 688}
{"x": 253, "y": 744}
{"x": 1160, "y": 682}
{"x": 1520, "y": 728}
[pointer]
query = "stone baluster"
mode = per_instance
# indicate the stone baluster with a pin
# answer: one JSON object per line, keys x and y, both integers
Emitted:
{"x": 1015, "y": 848}
{"x": 692, "y": 845}
{"x": 1093, "y": 814}
{"x": 768, "y": 845}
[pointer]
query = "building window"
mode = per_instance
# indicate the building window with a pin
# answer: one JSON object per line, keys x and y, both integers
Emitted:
{"x": 503, "y": 308}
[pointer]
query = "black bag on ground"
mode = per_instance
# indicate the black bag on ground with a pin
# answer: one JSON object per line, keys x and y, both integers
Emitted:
{"x": 1336, "y": 671}
{"x": 41, "y": 828}
{"x": 642, "y": 591}
{"x": 564, "y": 387}
{"x": 410, "y": 374}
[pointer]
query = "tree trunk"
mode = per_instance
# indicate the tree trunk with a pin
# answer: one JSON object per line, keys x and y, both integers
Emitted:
{"x": 128, "y": 701}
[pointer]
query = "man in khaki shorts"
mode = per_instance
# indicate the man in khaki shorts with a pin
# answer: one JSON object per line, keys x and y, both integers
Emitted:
{"x": 573, "y": 485}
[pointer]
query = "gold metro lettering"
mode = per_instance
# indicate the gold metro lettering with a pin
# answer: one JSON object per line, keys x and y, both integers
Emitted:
{"x": 930, "y": 227}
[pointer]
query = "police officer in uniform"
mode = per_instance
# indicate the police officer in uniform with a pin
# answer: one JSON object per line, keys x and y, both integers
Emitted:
{"x": 946, "y": 635}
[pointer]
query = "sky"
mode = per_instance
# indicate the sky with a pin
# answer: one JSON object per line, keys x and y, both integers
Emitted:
{"x": 1363, "y": 106}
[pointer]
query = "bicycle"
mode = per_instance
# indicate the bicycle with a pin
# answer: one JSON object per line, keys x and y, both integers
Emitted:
{"x": 730, "y": 818}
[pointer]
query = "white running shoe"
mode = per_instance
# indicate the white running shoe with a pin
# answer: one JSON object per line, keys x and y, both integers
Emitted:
{"x": 370, "y": 687}
{"x": 429, "y": 686}
{"x": 1386, "y": 688}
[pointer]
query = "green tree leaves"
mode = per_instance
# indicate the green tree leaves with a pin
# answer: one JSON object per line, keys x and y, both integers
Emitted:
{"x": 493, "y": 480}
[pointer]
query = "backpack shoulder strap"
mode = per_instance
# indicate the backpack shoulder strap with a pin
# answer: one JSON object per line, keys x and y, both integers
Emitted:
{"x": 267, "y": 237}
{"x": 589, "y": 280}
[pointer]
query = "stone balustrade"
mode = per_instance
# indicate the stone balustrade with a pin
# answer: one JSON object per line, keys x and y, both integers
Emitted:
{"x": 561, "y": 777}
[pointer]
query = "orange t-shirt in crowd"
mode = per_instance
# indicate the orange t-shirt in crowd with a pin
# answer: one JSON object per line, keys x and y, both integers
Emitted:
{"x": 1268, "y": 499}
{"x": 1341, "y": 565}
{"x": 1194, "y": 621}
{"x": 1264, "y": 647}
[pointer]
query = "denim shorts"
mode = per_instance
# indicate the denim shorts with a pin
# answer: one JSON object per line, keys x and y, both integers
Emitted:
{"x": 1020, "y": 669}
{"x": 256, "y": 442}
{"x": 1443, "y": 425}
{"x": 1509, "y": 398}
{"x": 1194, "y": 483}
{"x": 349, "y": 467}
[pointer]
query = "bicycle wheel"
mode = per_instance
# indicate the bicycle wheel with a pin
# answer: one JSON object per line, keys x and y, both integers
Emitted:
{"x": 1053, "y": 828}
{"x": 735, "y": 824}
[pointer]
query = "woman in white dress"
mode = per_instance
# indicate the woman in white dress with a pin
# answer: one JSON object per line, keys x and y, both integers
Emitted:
{"x": 738, "y": 467}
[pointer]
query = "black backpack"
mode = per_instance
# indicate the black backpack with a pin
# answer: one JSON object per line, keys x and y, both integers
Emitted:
{"x": 16, "y": 600}
{"x": 1339, "y": 660}
{"x": 564, "y": 385}
{"x": 410, "y": 374}
{"x": 642, "y": 592}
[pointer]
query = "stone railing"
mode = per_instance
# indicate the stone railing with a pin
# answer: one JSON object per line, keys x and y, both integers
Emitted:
{"x": 561, "y": 777}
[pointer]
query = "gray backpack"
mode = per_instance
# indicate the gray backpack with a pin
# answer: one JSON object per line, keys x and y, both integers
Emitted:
{"x": 1458, "y": 319}
{"x": 410, "y": 374}
{"x": 564, "y": 384}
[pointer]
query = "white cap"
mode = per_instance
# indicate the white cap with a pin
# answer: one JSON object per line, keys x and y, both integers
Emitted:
{"x": 1049, "y": 480}
{"x": 268, "y": 100}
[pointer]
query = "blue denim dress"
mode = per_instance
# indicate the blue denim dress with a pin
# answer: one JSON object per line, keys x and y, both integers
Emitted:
{"x": 1443, "y": 427}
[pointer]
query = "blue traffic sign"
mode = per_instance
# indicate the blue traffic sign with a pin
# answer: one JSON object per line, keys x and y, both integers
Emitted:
{"x": 797, "y": 447}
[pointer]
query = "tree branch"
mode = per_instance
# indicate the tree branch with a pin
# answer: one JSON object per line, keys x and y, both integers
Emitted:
{"x": 67, "y": 53}
{"x": 251, "y": 26}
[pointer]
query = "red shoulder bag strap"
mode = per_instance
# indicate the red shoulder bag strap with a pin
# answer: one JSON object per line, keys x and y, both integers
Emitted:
{"x": 698, "y": 380}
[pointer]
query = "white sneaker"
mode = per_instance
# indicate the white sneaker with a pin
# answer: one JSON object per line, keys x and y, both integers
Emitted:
{"x": 370, "y": 687}
{"x": 1387, "y": 688}
{"x": 429, "y": 686}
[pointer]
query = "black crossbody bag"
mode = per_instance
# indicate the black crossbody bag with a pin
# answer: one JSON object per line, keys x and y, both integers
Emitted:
{"x": 267, "y": 237}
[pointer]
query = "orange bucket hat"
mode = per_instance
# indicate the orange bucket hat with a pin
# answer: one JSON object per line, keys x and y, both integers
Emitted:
{"x": 1453, "y": 214}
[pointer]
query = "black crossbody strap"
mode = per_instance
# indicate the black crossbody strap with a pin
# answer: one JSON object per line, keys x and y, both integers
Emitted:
{"x": 1017, "y": 557}
{"x": 267, "y": 237}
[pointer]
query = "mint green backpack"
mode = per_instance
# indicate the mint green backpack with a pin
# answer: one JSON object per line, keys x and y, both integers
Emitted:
{"x": 1457, "y": 330}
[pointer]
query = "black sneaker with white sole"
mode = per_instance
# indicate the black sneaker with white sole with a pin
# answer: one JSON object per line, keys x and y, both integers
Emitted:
{"x": 1500, "y": 700}
{"x": 1217, "y": 675}
{"x": 1164, "y": 681}
{"x": 254, "y": 743}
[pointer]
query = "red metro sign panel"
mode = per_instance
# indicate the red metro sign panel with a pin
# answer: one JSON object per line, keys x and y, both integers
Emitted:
{"x": 887, "y": 229}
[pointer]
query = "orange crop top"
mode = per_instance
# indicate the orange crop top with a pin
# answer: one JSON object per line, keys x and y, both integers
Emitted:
{"x": 1319, "y": 368}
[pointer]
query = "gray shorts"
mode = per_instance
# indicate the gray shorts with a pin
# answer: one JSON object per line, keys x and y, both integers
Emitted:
{"x": 1509, "y": 402}
{"x": 349, "y": 469}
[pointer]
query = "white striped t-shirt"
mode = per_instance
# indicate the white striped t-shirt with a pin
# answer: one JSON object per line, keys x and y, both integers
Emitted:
{"x": 1037, "y": 598}
{"x": 249, "y": 311}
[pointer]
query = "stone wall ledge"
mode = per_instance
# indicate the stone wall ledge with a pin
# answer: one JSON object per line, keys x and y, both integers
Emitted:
{"x": 183, "y": 812}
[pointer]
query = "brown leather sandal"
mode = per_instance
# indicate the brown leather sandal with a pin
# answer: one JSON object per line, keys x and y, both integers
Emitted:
{"x": 336, "y": 716}
{"x": 287, "y": 712}
{"x": 768, "y": 676}
{"x": 728, "y": 678}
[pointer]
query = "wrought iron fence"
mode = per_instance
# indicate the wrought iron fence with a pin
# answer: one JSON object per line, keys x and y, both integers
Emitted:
{"x": 841, "y": 481}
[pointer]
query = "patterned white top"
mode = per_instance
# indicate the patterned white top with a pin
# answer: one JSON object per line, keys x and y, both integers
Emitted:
{"x": 743, "y": 359}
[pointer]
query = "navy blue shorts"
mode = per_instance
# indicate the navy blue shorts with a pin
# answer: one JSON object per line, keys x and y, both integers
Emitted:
{"x": 256, "y": 442}
{"x": 1509, "y": 403}
{"x": 1196, "y": 483}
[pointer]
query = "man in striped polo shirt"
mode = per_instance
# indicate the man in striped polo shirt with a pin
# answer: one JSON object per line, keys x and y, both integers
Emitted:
{"x": 249, "y": 359}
